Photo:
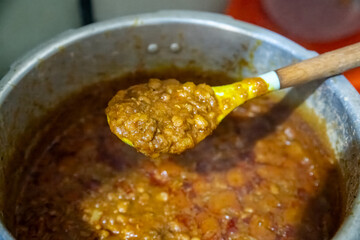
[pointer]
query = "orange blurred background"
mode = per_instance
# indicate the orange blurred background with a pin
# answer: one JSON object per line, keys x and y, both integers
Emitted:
{"x": 318, "y": 25}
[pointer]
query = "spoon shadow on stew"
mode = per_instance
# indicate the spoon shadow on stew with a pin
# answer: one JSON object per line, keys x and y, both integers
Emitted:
{"x": 323, "y": 212}
{"x": 332, "y": 188}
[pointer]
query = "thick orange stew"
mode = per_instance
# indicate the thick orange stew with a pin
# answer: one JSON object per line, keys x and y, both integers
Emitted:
{"x": 163, "y": 116}
{"x": 263, "y": 174}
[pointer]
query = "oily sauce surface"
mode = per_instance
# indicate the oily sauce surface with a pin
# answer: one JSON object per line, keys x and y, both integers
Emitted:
{"x": 262, "y": 174}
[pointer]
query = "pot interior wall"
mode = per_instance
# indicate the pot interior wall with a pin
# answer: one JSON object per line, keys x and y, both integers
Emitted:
{"x": 107, "y": 50}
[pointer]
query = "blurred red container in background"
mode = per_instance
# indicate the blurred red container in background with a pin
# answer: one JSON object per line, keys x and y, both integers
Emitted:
{"x": 319, "y": 25}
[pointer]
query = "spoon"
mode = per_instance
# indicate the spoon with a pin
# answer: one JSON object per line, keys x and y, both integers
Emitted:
{"x": 320, "y": 67}
{"x": 230, "y": 96}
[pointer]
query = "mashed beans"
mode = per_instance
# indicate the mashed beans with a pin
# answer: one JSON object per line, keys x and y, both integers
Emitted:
{"x": 163, "y": 116}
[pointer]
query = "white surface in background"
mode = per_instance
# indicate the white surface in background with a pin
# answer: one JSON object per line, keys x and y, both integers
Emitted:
{"x": 26, "y": 23}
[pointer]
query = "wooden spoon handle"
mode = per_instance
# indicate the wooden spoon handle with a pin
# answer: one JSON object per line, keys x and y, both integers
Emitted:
{"x": 322, "y": 66}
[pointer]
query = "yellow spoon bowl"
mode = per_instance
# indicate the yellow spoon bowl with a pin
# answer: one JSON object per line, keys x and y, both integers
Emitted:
{"x": 233, "y": 95}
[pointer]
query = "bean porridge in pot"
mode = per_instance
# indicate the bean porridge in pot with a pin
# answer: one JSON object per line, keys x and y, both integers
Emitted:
{"x": 262, "y": 174}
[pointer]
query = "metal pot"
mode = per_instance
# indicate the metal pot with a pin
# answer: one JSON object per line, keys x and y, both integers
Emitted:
{"x": 78, "y": 58}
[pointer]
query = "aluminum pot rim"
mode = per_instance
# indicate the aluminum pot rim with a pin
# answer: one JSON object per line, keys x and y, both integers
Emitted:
{"x": 344, "y": 90}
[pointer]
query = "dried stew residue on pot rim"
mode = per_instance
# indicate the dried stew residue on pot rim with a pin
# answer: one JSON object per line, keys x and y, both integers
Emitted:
{"x": 262, "y": 174}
